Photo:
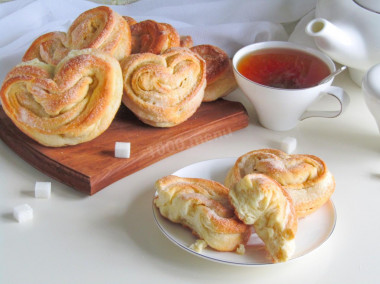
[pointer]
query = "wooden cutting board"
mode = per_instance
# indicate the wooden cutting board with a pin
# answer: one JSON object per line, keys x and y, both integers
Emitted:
{"x": 91, "y": 166}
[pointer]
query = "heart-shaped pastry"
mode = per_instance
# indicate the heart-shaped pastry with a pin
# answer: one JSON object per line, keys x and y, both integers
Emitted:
{"x": 100, "y": 28}
{"x": 306, "y": 177}
{"x": 262, "y": 202}
{"x": 68, "y": 104}
{"x": 164, "y": 90}
{"x": 203, "y": 206}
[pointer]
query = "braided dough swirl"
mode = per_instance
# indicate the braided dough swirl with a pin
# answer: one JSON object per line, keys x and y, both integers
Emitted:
{"x": 306, "y": 177}
{"x": 100, "y": 28}
{"x": 164, "y": 90}
{"x": 203, "y": 206}
{"x": 68, "y": 104}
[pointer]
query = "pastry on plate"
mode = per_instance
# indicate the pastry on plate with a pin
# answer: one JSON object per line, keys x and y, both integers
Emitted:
{"x": 202, "y": 206}
{"x": 100, "y": 28}
{"x": 306, "y": 177}
{"x": 262, "y": 202}
{"x": 219, "y": 74}
{"x": 66, "y": 104}
{"x": 153, "y": 37}
{"x": 164, "y": 90}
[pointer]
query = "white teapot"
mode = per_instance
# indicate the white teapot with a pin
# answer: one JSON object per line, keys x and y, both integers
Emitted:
{"x": 371, "y": 91}
{"x": 348, "y": 31}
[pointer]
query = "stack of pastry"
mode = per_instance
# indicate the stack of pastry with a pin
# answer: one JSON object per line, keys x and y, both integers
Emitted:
{"x": 266, "y": 189}
{"x": 70, "y": 84}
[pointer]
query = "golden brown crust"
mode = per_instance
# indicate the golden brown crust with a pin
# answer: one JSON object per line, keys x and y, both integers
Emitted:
{"x": 153, "y": 37}
{"x": 201, "y": 205}
{"x": 217, "y": 61}
{"x": 147, "y": 36}
{"x": 262, "y": 202}
{"x": 49, "y": 48}
{"x": 219, "y": 74}
{"x": 100, "y": 28}
{"x": 305, "y": 177}
{"x": 103, "y": 29}
{"x": 68, "y": 104}
{"x": 164, "y": 90}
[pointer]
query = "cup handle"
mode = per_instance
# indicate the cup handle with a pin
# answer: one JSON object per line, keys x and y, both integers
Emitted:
{"x": 337, "y": 93}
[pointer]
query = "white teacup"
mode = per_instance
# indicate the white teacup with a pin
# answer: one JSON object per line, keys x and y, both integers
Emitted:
{"x": 281, "y": 109}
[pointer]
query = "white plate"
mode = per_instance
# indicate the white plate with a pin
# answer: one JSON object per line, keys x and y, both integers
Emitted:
{"x": 313, "y": 230}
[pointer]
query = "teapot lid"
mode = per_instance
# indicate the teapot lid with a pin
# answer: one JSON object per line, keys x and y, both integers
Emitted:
{"x": 372, "y": 5}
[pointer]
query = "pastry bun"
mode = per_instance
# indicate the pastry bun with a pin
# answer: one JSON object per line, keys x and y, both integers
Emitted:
{"x": 202, "y": 206}
{"x": 305, "y": 177}
{"x": 100, "y": 28}
{"x": 164, "y": 90}
{"x": 262, "y": 202}
{"x": 103, "y": 29}
{"x": 66, "y": 104}
{"x": 153, "y": 37}
{"x": 219, "y": 74}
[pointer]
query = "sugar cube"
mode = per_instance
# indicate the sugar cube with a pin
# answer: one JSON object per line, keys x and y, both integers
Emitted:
{"x": 122, "y": 149}
{"x": 23, "y": 213}
{"x": 42, "y": 189}
{"x": 289, "y": 144}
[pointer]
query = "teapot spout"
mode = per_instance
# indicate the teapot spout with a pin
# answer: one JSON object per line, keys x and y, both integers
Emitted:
{"x": 334, "y": 41}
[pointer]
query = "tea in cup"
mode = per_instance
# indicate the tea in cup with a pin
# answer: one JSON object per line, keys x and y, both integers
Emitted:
{"x": 282, "y": 80}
